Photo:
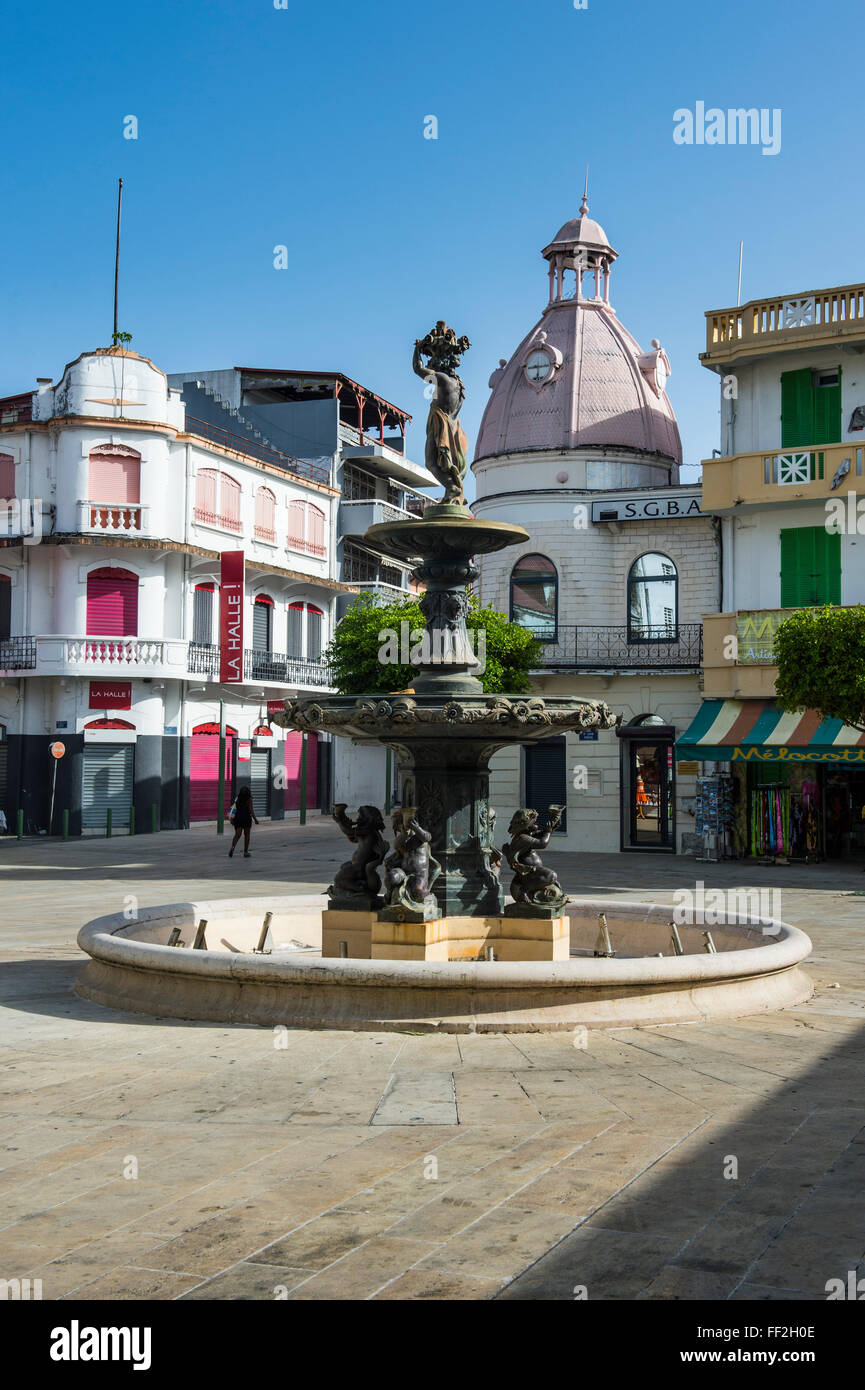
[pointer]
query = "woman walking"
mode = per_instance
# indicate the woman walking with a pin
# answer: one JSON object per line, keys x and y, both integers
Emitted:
{"x": 242, "y": 818}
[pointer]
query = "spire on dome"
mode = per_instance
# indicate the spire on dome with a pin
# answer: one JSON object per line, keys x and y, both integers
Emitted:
{"x": 584, "y": 205}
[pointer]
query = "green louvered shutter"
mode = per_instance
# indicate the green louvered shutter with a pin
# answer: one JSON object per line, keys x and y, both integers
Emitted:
{"x": 827, "y": 413}
{"x": 797, "y": 409}
{"x": 810, "y": 567}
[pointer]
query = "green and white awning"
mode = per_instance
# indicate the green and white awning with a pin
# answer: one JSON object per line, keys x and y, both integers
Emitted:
{"x": 760, "y": 731}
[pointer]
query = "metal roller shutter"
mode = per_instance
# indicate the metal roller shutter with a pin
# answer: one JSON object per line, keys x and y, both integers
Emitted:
{"x": 204, "y": 775}
{"x": 547, "y": 776}
{"x": 108, "y": 774}
{"x": 4, "y": 784}
{"x": 259, "y": 781}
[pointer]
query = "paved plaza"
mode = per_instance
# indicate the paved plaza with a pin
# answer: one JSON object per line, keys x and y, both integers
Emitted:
{"x": 149, "y": 1159}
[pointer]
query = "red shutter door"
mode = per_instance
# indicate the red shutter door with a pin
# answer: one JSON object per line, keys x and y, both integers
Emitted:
{"x": 293, "y": 743}
{"x": 112, "y": 603}
{"x": 204, "y": 776}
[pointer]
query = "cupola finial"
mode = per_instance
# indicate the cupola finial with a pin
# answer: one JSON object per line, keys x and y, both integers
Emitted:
{"x": 584, "y": 205}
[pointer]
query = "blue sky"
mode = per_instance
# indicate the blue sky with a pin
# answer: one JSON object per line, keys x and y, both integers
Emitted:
{"x": 303, "y": 126}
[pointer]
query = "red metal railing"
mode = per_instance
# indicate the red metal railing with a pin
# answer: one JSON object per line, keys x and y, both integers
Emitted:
{"x": 263, "y": 452}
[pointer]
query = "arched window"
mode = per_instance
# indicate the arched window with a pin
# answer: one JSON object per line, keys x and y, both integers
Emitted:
{"x": 314, "y": 620}
{"x": 265, "y": 515}
{"x": 217, "y": 500}
{"x": 305, "y": 631}
{"x": 202, "y": 614}
{"x": 7, "y": 478}
{"x": 315, "y": 530}
{"x": 262, "y": 623}
{"x": 653, "y": 599}
{"x": 112, "y": 603}
{"x": 534, "y": 596}
{"x": 5, "y": 609}
{"x": 114, "y": 488}
{"x": 306, "y": 528}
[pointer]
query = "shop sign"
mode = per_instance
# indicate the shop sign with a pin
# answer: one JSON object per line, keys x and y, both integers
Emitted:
{"x": 244, "y": 750}
{"x": 111, "y": 694}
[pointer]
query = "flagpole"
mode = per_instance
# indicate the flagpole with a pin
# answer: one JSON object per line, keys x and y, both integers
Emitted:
{"x": 117, "y": 256}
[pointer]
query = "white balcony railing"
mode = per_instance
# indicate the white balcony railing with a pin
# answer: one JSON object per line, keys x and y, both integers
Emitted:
{"x": 167, "y": 659}
{"x": 118, "y": 518}
{"x": 114, "y": 651}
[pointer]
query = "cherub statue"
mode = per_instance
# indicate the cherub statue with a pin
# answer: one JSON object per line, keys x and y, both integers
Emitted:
{"x": 446, "y": 443}
{"x": 358, "y": 877}
{"x": 533, "y": 884}
{"x": 410, "y": 869}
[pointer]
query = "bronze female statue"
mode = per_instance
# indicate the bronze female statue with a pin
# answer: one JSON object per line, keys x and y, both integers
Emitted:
{"x": 446, "y": 444}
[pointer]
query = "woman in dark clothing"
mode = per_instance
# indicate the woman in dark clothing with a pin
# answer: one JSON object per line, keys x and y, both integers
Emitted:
{"x": 244, "y": 815}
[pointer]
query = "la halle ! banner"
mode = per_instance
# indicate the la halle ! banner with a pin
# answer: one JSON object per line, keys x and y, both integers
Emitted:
{"x": 231, "y": 587}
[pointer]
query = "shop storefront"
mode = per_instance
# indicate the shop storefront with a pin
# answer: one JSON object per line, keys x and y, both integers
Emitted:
{"x": 798, "y": 780}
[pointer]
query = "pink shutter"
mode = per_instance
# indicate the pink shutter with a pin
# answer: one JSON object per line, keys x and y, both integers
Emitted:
{"x": 205, "y": 494}
{"x": 112, "y": 603}
{"x": 7, "y": 477}
{"x": 115, "y": 478}
{"x": 296, "y": 524}
{"x": 230, "y": 509}
{"x": 265, "y": 514}
{"x": 315, "y": 533}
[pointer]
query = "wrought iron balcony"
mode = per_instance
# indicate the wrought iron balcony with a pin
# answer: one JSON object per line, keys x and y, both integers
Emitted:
{"x": 18, "y": 654}
{"x": 284, "y": 670}
{"x": 204, "y": 659}
{"x": 611, "y": 649}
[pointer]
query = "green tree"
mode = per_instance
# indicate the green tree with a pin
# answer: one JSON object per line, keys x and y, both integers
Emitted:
{"x": 354, "y": 653}
{"x": 820, "y": 654}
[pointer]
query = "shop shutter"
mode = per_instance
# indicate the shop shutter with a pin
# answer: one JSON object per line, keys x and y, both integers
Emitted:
{"x": 204, "y": 776}
{"x": 546, "y": 776}
{"x": 112, "y": 603}
{"x": 797, "y": 409}
{"x": 312, "y": 796}
{"x": 4, "y": 780}
{"x": 810, "y": 566}
{"x": 261, "y": 611}
{"x": 202, "y": 614}
{"x": 295, "y": 630}
{"x": 107, "y": 783}
{"x": 259, "y": 781}
{"x": 827, "y": 413}
{"x": 313, "y": 634}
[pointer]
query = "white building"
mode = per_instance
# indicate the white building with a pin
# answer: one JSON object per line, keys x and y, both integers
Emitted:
{"x": 579, "y": 445}
{"x": 117, "y": 512}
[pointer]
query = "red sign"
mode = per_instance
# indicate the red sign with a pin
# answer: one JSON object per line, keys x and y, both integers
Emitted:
{"x": 233, "y": 570}
{"x": 244, "y": 750}
{"x": 57, "y": 750}
{"x": 276, "y": 707}
{"x": 111, "y": 694}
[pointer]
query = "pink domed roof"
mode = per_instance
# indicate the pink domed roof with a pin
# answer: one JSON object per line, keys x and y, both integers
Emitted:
{"x": 600, "y": 388}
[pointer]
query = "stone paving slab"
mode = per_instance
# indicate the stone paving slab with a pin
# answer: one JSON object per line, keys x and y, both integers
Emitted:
{"x": 394, "y": 1166}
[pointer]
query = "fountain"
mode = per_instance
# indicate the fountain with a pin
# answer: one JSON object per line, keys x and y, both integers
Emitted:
{"x": 418, "y": 935}
{"x": 444, "y": 730}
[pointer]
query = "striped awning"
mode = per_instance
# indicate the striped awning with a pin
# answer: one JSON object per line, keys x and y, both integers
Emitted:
{"x": 760, "y": 731}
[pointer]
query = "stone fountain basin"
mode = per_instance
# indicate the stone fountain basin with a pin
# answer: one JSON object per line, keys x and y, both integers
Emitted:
{"x": 756, "y": 969}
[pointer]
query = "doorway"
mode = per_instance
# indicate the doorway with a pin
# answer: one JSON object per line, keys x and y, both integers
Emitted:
{"x": 648, "y": 788}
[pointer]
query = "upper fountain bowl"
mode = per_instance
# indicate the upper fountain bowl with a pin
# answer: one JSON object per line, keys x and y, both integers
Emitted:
{"x": 451, "y": 537}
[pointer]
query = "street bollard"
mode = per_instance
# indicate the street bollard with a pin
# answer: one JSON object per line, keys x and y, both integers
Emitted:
{"x": 154, "y": 824}
{"x": 20, "y": 825}
{"x": 108, "y": 819}
{"x": 132, "y": 820}
{"x": 65, "y": 825}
